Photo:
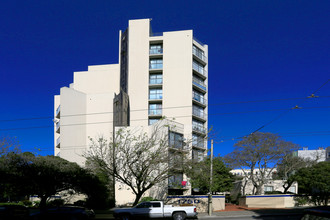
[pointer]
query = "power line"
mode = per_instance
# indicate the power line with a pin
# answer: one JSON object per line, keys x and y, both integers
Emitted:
{"x": 215, "y": 104}
{"x": 182, "y": 116}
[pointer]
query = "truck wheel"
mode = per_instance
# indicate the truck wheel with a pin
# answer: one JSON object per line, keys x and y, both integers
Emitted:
{"x": 179, "y": 216}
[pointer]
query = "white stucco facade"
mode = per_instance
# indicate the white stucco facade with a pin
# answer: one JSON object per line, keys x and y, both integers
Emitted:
{"x": 163, "y": 76}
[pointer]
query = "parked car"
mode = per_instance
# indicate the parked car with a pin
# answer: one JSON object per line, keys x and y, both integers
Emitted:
{"x": 317, "y": 213}
{"x": 14, "y": 212}
{"x": 155, "y": 209}
{"x": 64, "y": 213}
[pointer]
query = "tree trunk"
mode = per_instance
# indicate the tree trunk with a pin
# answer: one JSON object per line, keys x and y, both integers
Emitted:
{"x": 137, "y": 198}
{"x": 43, "y": 200}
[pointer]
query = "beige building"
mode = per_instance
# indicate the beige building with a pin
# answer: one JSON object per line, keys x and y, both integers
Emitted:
{"x": 158, "y": 75}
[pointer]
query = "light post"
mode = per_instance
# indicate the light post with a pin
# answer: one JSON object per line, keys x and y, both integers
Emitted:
{"x": 211, "y": 179}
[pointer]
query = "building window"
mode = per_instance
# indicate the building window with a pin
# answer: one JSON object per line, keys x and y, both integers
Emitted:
{"x": 198, "y": 111}
{"x": 156, "y": 49}
{"x": 155, "y": 109}
{"x": 152, "y": 121}
{"x": 175, "y": 181}
{"x": 198, "y": 52}
{"x": 198, "y": 141}
{"x": 198, "y": 67}
{"x": 268, "y": 188}
{"x": 199, "y": 97}
{"x": 198, "y": 126}
{"x": 155, "y": 94}
{"x": 199, "y": 82}
{"x": 155, "y": 79}
{"x": 197, "y": 155}
{"x": 176, "y": 140}
{"x": 156, "y": 64}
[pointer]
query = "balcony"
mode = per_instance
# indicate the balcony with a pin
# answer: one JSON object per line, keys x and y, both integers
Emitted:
{"x": 199, "y": 114}
{"x": 199, "y": 84}
{"x": 198, "y": 145}
{"x": 155, "y": 112}
{"x": 58, "y": 127}
{"x": 200, "y": 71}
{"x": 156, "y": 51}
{"x": 155, "y": 83}
{"x": 199, "y": 129}
{"x": 199, "y": 99}
{"x": 199, "y": 56}
{"x": 58, "y": 111}
{"x": 58, "y": 142}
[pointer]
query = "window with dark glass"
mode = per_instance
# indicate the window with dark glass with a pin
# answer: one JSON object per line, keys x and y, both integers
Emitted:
{"x": 198, "y": 96}
{"x": 176, "y": 140}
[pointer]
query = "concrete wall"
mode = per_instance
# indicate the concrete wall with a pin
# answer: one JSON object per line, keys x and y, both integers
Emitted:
{"x": 267, "y": 201}
{"x": 201, "y": 202}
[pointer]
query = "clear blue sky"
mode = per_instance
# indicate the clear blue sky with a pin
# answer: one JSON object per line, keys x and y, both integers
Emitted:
{"x": 258, "y": 50}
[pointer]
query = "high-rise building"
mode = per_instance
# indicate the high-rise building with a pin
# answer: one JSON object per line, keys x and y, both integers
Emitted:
{"x": 158, "y": 75}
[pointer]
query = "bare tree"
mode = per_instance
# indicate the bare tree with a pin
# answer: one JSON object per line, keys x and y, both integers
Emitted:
{"x": 137, "y": 158}
{"x": 257, "y": 155}
{"x": 8, "y": 144}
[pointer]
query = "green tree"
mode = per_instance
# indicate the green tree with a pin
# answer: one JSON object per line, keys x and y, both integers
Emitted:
{"x": 314, "y": 183}
{"x": 45, "y": 176}
{"x": 199, "y": 174}
{"x": 288, "y": 166}
{"x": 258, "y": 155}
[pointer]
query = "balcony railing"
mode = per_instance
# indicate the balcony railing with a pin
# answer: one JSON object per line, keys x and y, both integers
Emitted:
{"x": 58, "y": 141}
{"x": 58, "y": 127}
{"x": 199, "y": 98}
{"x": 156, "y": 66}
{"x": 155, "y": 81}
{"x": 156, "y": 51}
{"x": 199, "y": 84}
{"x": 200, "y": 70}
{"x": 199, "y": 129}
{"x": 198, "y": 41}
{"x": 199, "y": 113}
{"x": 58, "y": 110}
{"x": 155, "y": 96}
{"x": 199, "y": 54}
{"x": 199, "y": 144}
{"x": 155, "y": 111}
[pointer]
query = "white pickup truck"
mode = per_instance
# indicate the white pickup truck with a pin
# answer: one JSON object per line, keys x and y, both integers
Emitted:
{"x": 155, "y": 210}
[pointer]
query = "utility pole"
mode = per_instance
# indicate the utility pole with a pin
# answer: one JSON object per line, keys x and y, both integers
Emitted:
{"x": 211, "y": 180}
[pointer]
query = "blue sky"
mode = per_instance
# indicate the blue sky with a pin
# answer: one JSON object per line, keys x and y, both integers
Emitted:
{"x": 258, "y": 51}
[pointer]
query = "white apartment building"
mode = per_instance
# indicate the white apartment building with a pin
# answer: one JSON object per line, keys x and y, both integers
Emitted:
{"x": 158, "y": 75}
{"x": 317, "y": 155}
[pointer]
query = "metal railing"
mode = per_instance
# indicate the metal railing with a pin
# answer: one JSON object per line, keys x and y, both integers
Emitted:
{"x": 199, "y": 129}
{"x": 156, "y": 51}
{"x": 155, "y": 81}
{"x": 199, "y": 70}
{"x": 199, "y": 113}
{"x": 58, "y": 141}
{"x": 199, "y": 84}
{"x": 155, "y": 111}
{"x": 57, "y": 125}
{"x": 199, "y": 54}
{"x": 58, "y": 109}
{"x": 156, "y": 66}
{"x": 199, "y": 98}
{"x": 198, "y": 41}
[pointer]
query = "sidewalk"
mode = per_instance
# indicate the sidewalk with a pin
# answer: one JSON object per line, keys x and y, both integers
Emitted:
{"x": 237, "y": 211}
